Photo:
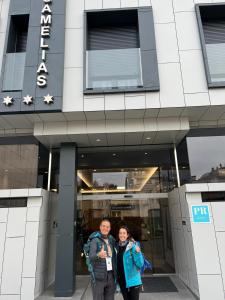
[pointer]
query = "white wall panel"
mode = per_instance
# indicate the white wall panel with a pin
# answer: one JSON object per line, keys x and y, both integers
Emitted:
{"x": 211, "y": 287}
{"x": 30, "y": 249}
{"x": 193, "y": 75}
{"x": 111, "y": 4}
{"x": 129, "y": 3}
{"x": 93, "y": 4}
{"x": 74, "y": 13}
{"x": 187, "y": 31}
{"x": 16, "y": 222}
{"x": 166, "y": 43}
{"x": 12, "y": 266}
{"x": 218, "y": 210}
{"x": 183, "y": 5}
{"x": 2, "y": 244}
{"x": 162, "y": 11}
{"x": 171, "y": 88}
{"x": 221, "y": 246}
{"x": 73, "y": 53}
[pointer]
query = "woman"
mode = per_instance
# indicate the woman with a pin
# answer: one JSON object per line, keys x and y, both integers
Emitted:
{"x": 129, "y": 262}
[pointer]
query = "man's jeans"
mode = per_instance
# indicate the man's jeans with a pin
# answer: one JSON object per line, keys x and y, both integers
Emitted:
{"x": 105, "y": 289}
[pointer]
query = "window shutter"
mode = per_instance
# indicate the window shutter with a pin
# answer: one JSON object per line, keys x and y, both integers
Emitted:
{"x": 105, "y": 38}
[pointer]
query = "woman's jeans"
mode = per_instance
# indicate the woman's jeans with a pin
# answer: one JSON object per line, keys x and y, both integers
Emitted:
{"x": 130, "y": 294}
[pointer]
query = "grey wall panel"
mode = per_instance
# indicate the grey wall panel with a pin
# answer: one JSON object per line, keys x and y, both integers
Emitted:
{"x": 18, "y": 7}
{"x": 55, "y": 78}
{"x": 57, "y": 40}
{"x": 11, "y": 109}
{"x": 64, "y": 284}
{"x": 65, "y": 276}
{"x": 54, "y": 57}
{"x": 67, "y": 211}
{"x": 59, "y": 7}
{"x": 30, "y": 74}
{"x": 36, "y": 7}
{"x": 148, "y": 49}
{"x": 41, "y": 106}
{"x": 146, "y": 29}
{"x": 33, "y": 46}
{"x": 150, "y": 69}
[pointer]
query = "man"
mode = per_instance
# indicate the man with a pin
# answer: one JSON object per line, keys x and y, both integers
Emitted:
{"x": 102, "y": 256}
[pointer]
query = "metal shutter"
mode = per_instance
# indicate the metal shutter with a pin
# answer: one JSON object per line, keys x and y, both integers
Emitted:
{"x": 103, "y": 38}
{"x": 21, "y": 41}
{"x": 214, "y": 31}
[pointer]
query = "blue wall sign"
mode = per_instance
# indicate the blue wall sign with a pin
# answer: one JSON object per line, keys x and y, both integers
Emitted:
{"x": 200, "y": 214}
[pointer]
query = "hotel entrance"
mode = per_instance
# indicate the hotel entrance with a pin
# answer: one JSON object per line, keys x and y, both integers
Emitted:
{"x": 135, "y": 196}
{"x": 146, "y": 215}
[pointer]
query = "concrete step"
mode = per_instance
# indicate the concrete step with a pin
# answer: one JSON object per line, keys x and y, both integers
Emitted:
{"x": 82, "y": 283}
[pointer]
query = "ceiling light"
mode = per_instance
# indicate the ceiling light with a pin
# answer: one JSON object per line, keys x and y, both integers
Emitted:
{"x": 148, "y": 138}
{"x": 98, "y": 140}
{"x": 114, "y": 154}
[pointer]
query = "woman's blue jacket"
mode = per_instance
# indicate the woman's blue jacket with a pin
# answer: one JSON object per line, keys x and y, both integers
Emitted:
{"x": 132, "y": 263}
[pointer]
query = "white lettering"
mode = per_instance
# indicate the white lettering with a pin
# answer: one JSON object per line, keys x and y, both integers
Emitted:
{"x": 46, "y": 19}
{"x": 45, "y": 22}
{"x": 43, "y": 45}
{"x": 43, "y": 55}
{"x": 41, "y": 81}
{"x": 45, "y": 31}
{"x": 46, "y": 9}
{"x": 42, "y": 68}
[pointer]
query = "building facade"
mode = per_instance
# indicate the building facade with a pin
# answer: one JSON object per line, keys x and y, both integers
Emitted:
{"x": 111, "y": 108}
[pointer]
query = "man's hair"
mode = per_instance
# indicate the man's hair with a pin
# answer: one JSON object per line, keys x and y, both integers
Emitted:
{"x": 105, "y": 219}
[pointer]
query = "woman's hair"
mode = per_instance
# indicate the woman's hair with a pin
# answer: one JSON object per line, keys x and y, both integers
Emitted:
{"x": 127, "y": 230}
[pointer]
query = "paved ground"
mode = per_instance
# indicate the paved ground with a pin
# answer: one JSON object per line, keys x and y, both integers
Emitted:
{"x": 83, "y": 292}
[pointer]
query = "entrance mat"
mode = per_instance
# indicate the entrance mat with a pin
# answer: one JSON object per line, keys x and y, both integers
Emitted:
{"x": 158, "y": 285}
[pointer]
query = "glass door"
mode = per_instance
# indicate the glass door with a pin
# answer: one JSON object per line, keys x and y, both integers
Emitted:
{"x": 147, "y": 219}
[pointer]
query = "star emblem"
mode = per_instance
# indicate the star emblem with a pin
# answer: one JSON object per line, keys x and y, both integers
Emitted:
{"x": 8, "y": 101}
{"x": 48, "y": 99}
{"x": 28, "y": 99}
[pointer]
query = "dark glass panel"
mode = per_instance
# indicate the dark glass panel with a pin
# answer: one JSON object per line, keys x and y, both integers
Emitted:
{"x": 207, "y": 158}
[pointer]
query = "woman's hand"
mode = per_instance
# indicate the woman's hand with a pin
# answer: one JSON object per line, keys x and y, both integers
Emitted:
{"x": 138, "y": 250}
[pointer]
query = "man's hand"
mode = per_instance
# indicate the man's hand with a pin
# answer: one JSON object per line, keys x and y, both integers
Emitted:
{"x": 102, "y": 253}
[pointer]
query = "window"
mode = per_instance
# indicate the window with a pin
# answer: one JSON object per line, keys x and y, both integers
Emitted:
{"x": 120, "y": 53}
{"x": 23, "y": 163}
{"x": 15, "y": 53}
{"x": 206, "y": 157}
{"x": 211, "y": 20}
{"x": 213, "y": 196}
{"x": 13, "y": 202}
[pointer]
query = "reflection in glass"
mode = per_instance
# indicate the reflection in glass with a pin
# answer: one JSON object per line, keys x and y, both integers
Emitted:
{"x": 148, "y": 220}
{"x": 114, "y": 68}
{"x": 214, "y": 39}
{"x": 127, "y": 180}
{"x": 183, "y": 162}
{"x": 18, "y": 166}
{"x": 207, "y": 158}
{"x": 216, "y": 61}
{"x": 14, "y": 71}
